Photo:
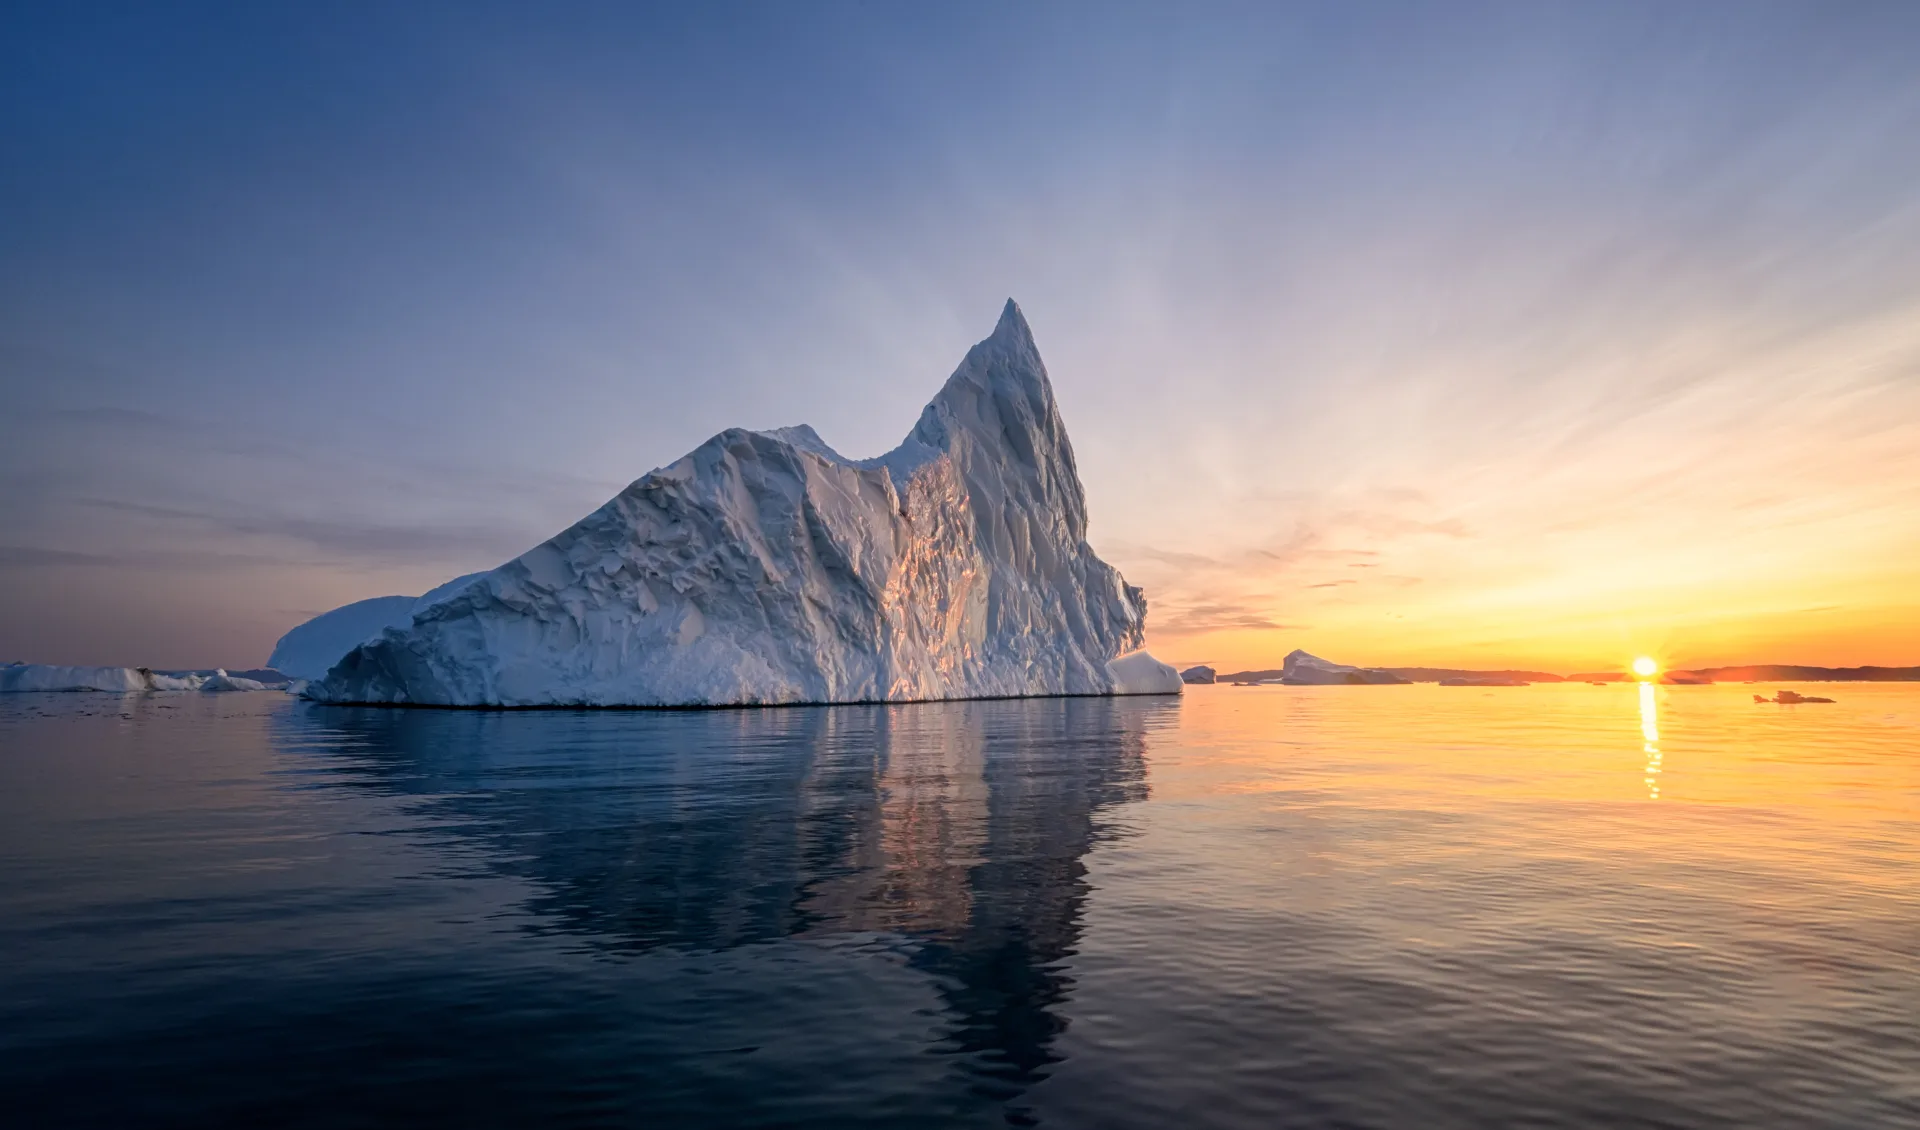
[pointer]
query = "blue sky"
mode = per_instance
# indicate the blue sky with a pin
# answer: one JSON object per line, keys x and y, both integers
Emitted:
{"x": 1405, "y": 332}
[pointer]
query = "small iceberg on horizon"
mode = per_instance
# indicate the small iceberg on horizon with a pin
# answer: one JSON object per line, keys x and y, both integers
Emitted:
{"x": 1791, "y": 698}
{"x": 1301, "y": 669}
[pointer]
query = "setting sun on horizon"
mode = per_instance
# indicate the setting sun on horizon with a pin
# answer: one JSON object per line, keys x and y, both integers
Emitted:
{"x": 1570, "y": 400}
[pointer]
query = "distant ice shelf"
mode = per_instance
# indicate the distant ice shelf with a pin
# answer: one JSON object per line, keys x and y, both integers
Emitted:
{"x": 1303, "y": 669}
{"x": 19, "y": 678}
{"x": 764, "y": 567}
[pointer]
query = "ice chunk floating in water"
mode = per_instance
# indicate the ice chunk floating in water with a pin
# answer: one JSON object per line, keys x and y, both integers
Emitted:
{"x": 1141, "y": 673}
{"x": 765, "y": 567}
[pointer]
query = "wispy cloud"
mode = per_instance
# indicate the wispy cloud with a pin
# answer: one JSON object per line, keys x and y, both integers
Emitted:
{"x": 362, "y": 541}
{"x": 1198, "y": 619}
{"x": 29, "y": 557}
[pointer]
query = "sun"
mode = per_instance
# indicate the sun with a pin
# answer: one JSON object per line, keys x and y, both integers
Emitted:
{"x": 1645, "y": 667}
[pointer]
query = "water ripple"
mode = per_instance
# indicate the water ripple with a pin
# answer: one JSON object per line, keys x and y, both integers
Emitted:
{"x": 1379, "y": 907}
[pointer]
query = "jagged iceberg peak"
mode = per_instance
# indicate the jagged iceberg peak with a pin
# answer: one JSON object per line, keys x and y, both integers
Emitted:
{"x": 764, "y": 567}
{"x": 804, "y": 437}
{"x": 997, "y": 410}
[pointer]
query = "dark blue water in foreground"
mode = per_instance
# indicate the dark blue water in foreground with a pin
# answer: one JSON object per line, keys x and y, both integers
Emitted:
{"x": 1329, "y": 907}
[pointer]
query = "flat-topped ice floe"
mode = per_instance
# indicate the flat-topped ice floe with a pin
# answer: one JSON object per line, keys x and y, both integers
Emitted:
{"x": 21, "y": 678}
{"x": 765, "y": 568}
{"x": 30, "y": 677}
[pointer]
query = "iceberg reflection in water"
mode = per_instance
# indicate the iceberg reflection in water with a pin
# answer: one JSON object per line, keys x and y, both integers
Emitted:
{"x": 946, "y": 838}
{"x": 1249, "y": 907}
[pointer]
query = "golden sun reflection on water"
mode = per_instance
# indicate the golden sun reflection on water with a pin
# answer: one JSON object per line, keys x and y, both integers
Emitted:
{"x": 1506, "y": 854}
{"x": 1650, "y": 738}
{"x": 1559, "y": 743}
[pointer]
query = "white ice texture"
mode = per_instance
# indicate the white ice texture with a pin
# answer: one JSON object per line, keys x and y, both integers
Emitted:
{"x": 764, "y": 568}
{"x": 309, "y": 650}
{"x": 221, "y": 681}
{"x": 1140, "y": 673}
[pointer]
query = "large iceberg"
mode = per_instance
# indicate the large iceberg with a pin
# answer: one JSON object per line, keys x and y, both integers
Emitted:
{"x": 765, "y": 567}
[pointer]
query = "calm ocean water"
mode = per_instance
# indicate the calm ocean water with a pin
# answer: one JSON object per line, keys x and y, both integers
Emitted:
{"x": 1551, "y": 906}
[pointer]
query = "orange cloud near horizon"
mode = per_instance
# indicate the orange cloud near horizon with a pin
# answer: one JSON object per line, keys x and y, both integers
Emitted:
{"x": 1736, "y": 501}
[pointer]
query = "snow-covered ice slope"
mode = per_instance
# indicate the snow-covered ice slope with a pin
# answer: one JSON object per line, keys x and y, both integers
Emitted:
{"x": 764, "y": 567}
{"x": 1141, "y": 673}
{"x": 307, "y": 651}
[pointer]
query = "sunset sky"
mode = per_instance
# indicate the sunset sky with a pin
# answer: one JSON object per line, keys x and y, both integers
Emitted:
{"x": 1483, "y": 335}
